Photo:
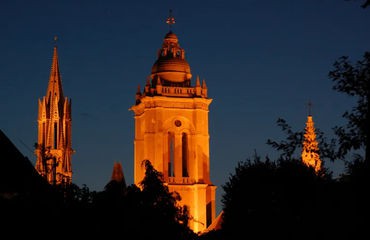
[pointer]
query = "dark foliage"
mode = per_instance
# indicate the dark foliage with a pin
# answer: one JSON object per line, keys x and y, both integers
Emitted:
{"x": 353, "y": 80}
{"x": 366, "y": 4}
{"x": 287, "y": 200}
{"x": 293, "y": 142}
{"x": 158, "y": 211}
{"x": 149, "y": 212}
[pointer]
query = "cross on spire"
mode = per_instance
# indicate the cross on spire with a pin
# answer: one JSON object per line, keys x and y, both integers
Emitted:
{"x": 55, "y": 40}
{"x": 309, "y": 105}
{"x": 170, "y": 20}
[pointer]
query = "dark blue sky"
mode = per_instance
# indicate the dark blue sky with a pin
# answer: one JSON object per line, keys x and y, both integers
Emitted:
{"x": 262, "y": 60}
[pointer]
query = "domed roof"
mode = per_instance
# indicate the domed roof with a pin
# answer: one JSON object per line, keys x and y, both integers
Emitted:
{"x": 170, "y": 36}
{"x": 171, "y": 64}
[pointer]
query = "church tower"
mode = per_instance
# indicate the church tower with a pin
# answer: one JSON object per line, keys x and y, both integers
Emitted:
{"x": 171, "y": 131}
{"x": 310, "y": 147}
{"x": 53, "y": 149}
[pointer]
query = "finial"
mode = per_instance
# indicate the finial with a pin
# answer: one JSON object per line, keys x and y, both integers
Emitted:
{"x": 309, "y": 104}
{"x": 55, "y": 40}
{"x": 170, "y": 20}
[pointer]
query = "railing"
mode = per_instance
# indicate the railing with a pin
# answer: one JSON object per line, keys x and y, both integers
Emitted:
{"x": 178, "y": 91}
{"x": 181, "y": 180}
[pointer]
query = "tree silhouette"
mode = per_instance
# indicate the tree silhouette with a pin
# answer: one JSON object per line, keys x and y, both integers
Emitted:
{"x": 354, "y": 80}
{"x": 289, "y": 147}
{"x": 161, "y": 214}
{"x": 285, "y": 199}
{"x": 366, "y": 4}
{"x": 293, "y": 140}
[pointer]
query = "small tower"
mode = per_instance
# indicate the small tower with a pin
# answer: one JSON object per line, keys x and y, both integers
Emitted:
{"x": 53, "y": 149}
{"x": 171, "y": 131}
{"x": 117, "y": 184}
{"x": 117, "y": 174}
{"x": 310, "y": 147}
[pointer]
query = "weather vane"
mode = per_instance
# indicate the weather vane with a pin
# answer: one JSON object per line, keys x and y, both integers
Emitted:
{"x": 170, "y": 20}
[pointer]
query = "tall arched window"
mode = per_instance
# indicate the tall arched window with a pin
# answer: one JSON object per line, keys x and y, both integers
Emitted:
{"x": 171, "y": 154}
{"x": 184, "y": 141}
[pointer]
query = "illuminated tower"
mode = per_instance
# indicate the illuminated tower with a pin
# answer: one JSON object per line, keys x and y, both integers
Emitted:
{"x": 310, "y": 147}
{"x": 53, "y": 149}
{"x": 171, "y": 130}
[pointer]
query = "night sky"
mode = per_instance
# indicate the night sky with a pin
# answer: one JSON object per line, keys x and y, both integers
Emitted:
{"x": 262, "y": 60}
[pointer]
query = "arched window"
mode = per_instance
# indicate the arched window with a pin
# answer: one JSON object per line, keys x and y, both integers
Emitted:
{"x": 171, "y": 154}
{"x": 184, "y": 141}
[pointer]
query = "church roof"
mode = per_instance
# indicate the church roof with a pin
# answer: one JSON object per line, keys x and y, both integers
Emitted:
{"x": 216, "y": 224}
{"x": 18, "y": 177}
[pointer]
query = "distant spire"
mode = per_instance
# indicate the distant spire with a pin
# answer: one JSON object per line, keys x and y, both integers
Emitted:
{"x": 117, "y": 174}
{"x": 170, "y": 20}
{"x": 310, "y": 147}
{"x": 117, "y": 184}
{"x": 54, "y": 150}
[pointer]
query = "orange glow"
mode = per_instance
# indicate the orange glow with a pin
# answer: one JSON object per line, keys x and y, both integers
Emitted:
{"x": 53, "y": 150}
{"x": 310, "y": 149}
{"x": 171, "y": 130}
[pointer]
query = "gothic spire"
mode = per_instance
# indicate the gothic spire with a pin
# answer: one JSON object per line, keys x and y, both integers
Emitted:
{"x": 54, "y": 148}
{"x": 310, "y": 146}
{"x": 55, "y": 81}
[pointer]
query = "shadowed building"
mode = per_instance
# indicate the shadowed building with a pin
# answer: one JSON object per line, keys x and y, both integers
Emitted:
{"x": 21, "y": 186}
{"x": 171, "y": 131}
{"x": 53, "y": 150}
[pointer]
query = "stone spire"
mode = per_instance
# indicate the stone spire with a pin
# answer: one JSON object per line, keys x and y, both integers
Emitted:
{"x": 53, "y": 149}
{"x": 117, "y": 174}
{"x": 54, "y": 90}
{"x": 117, "y": 183}
{"x": 55, "y": 81}
{"x": 310, "y": 148}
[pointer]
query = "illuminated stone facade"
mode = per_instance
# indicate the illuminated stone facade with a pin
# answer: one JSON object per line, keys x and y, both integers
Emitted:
{"x": 53, "y": 149}
{"x": 171, "y": 130}
{"x": 310, "y": 147}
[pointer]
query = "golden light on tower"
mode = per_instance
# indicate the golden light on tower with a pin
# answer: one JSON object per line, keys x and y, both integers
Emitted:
{"x": 171, "y": 131}
{"x": 310, "y": 147}
{"x": 54, "y": 145}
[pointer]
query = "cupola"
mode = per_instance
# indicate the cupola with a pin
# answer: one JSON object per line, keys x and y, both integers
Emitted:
{"x": 171, "y": 65}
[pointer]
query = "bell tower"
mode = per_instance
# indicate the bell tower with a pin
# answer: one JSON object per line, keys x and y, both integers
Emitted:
{"x": 53, "y": 149}
{"x": 171, "y": 131}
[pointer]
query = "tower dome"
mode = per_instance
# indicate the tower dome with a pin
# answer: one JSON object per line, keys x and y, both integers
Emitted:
{"x": 171, "y": 65}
